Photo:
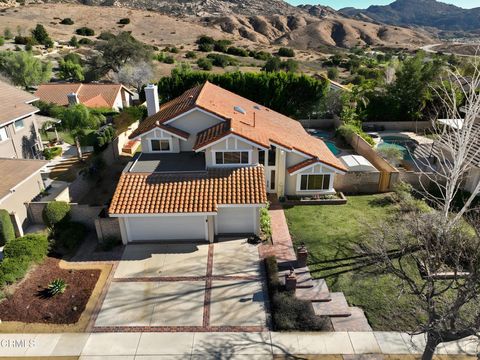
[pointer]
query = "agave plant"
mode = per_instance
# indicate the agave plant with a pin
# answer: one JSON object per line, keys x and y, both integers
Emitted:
{"x": 57, "y": 286}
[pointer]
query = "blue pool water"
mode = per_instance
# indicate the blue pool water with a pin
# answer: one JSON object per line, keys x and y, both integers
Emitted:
{"x": 405, "y": 145}
{"x": 322, "y": 134}
{"x": 333, "y": 148}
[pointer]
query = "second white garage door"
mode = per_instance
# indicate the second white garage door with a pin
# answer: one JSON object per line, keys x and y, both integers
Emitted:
{"x": 166, "y": 228}
{"x": 236, "y": 220}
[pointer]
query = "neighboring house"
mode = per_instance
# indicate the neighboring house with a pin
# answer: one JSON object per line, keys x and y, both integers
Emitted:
{"x": 113, "y": 96}
{"x": 21, "y": 181}
{"x": 209, "y": 159}
{"x": 19, "y": 136}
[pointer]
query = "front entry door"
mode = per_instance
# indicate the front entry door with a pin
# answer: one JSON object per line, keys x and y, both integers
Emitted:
{"x": 270, "y": 170}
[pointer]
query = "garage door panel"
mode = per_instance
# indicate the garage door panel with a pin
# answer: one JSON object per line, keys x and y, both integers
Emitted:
{"x": 166, "y": 228}
{"x": 231, "y": 220}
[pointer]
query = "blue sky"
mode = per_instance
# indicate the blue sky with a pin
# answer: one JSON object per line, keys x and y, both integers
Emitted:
{"x": 362, "y": 4}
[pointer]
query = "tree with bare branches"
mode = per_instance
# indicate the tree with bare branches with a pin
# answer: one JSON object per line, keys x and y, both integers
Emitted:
{"x": 436, "y": 253}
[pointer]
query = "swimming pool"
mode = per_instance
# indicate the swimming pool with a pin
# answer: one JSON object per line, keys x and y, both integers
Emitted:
{"x": 333, "y": 148}
{"x": 404, "y": 144}
{"x": 322, "y": 134}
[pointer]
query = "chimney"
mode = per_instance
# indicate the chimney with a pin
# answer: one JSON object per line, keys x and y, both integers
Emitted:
{"x": 151, "y": 94}
{"x": 72, "y": 99}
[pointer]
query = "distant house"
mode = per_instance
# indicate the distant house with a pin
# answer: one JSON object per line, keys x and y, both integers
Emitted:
{"x": 19, "y": 136}
{"x": 21, "y": 181}
{"x": 113, "y": 96}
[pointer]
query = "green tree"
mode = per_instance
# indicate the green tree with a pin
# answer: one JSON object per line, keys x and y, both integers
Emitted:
{"x": 118, "y": 51}
{"x": 290, "y": 65}
{"x": 41, "y": 36}
{"x": 286, "y": 52}
{"x": 7, "y": 34}
{"x": 69, "y": 70}
{"x": 332, "y": 73}
{"x": 24, "y": 69}
{"x": 273, "y": 64}
{"x": 78, "y": 118}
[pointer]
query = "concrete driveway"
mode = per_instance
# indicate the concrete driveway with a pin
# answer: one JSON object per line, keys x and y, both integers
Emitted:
{"x": 179, "y": 286}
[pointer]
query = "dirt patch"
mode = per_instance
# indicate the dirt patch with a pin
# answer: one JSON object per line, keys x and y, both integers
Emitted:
{"x": 29, "y": 305}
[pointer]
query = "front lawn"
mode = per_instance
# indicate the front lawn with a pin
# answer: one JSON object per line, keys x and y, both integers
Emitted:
{"x": 331, "y": 234}
{"x": 87, "y": 140}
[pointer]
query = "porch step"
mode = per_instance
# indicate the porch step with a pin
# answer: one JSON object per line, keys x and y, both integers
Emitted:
{"x": 304, "y": 279}
{"x": 317, "y": 293}
{"x": 357, "y": 322}
{"x": 337, "y": 307}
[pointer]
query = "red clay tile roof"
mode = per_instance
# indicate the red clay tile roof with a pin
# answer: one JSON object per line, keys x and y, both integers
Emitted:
{"x": 173, "y": 130}
{"x": 259, "y": 124}
{"x": 302, "y": 165}
{"x": 169, "y": 110}
{"x": 14, "y": 103}
{"x": 141, "y": 193}
{"x": 91, "y": 95}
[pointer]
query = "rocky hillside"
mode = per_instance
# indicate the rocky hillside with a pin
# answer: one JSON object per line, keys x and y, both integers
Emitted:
{"x": 428, "y": 13}
{"x": 276, "y": 22}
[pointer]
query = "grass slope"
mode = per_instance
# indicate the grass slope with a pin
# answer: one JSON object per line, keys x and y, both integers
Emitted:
{"x": 331, "y": 234}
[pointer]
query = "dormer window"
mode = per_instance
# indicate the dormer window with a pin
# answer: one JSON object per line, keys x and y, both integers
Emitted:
{"x": 160, "y": 145}
{"x": 232, "y": 158}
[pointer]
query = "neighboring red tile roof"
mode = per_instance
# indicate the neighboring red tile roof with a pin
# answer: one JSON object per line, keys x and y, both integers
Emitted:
{"x": 91, "y": 95}
{"x": 141, "y": 193}
{"x": 14, "y": 103}
{"x": 302, "y": 165}
{"x": 259, "y": 124}
{"x": 173, "y": 130}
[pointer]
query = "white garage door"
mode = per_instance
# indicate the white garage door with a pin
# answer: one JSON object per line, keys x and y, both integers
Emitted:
{"x": 166, "y": 228}
{"x": 231, "y": 220}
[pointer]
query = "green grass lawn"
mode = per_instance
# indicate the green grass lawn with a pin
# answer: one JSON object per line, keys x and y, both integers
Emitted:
{"x": 331, "y": 233}
{"x": 87, "y": 140}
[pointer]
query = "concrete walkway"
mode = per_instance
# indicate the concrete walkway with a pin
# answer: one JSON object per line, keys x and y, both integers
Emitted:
{"x": 220, "y": 345}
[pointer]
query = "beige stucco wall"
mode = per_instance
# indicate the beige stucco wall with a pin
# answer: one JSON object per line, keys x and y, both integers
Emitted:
{"x": 159, "y": 134}
{"x": 193, "y": 123}
{"x": 232, "y": 144}
{"x": 19, "y": 143}
{"x": 291, "y": 181}
{"x": 24, "y": 193}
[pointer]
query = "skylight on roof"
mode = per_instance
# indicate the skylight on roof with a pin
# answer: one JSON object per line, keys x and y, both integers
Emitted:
{"x": 239, "y": 109}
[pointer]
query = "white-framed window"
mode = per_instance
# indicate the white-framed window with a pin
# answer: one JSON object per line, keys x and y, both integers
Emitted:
{"x": 160, "y": 145}
{"x": 19, "y": 124}
{"x": 232, "y": 158}
{"x": 314, "y": 182}
{"x": 3, "y": 134}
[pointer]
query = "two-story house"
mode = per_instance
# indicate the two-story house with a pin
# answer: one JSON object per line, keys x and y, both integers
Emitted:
{"x": 209, "y": 158}
{"x": 19, "y": 136}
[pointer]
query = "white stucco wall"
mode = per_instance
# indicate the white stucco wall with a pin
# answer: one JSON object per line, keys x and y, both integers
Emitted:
{"x": 292, "y": 181}
{"x": 160, "y": 134}
{"x": 230, "y": 144}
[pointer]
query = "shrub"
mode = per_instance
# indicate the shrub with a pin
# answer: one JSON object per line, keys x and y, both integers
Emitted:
{"x": 124, "y": 21}
{"x": 346, "y": 131}
{"x": 7, "y": 232}
{"x": 67, "y": 21}
{"x": 69, "y": 235}
{"x": 105, "y": 35}
{"x": 221, "y": 45}
{"x": 169, "y": 59}
{"x": 332, "y": 73}
{"x": 173, "y": 50}
{"x": 103, "y": 137}
{"x": 222, "y": 60}
{"x": 265, "y": 223}
{"x": 57, "y": 286}
{"x": 391, "y": 154}
{"x": 288, "y": 312}
{"x": 55, "y": 212}
{"x": 286, "y": 52}
{"x": 7, "y": 34}
{"x": 205, "y": 64}
{"x": 203, "y": 39}
{"x": 205, "y": 47}
{"x": 2, "y": 40}
{"x": 85, "y": 31}
{"x": 41, "y": 36}
{"x": 52, "y": 152}
{"x": 260, "y": 55}
{"x": 13, "y": 269}
{"x": 32, "y": 246}
{"x": 73, "y": 42}
{"x": 24, "y": 40}
{"x": 190, "y": 55}
{"x": 85, "y": 41}
{"x": 232, "y": 50}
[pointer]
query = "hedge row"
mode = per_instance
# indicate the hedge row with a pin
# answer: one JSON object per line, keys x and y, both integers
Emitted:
{"x": 52, "y": 152}
{"x": 7, "y": 232}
